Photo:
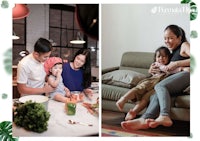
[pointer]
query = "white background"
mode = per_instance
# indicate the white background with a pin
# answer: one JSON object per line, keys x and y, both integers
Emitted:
{"x": 6, "y": 80}
{"x": 137, "y": 27}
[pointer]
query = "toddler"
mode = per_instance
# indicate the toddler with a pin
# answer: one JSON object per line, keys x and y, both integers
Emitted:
{"x": 53, "y": 68}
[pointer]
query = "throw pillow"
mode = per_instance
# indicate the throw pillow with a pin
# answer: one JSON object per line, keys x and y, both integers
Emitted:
{"x": 122, "y": 78}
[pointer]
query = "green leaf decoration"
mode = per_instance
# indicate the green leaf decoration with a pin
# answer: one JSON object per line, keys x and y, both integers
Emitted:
{"x": 6, "y": 131}
{"x": 193, "y": 34}
{"x": 194, "y": 11}
{"x": 185, "y": 1}
{"x": 4, "y": 96}
{"x": 4, "y": 4}
{"x": 8, "y": 61}
{"x": 192, "y": 63}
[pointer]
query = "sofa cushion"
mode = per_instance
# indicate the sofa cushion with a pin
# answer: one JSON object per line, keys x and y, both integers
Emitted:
{"x": 113, "y": 93}
{"x": 139, "y": 61}
{"x": 122, "y": 78}
{"x": 182, "y": 101}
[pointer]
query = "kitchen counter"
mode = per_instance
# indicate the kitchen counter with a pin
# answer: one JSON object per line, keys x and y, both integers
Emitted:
{"x": 58, "y": 123}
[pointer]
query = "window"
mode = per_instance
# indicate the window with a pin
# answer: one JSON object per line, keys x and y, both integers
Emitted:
{"x": 63, "y": 28}
{"x": 19, "y": 27}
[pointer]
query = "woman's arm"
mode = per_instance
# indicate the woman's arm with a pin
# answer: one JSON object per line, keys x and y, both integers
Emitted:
{"x": 185, "y": 52}
{"x": 185, "y": 49}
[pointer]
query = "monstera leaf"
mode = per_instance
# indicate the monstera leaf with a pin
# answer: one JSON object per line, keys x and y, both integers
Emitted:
{"x": 185, "y": 1}
{"x": 193, "y": 13}
{"x": 6, "y": 131}
{"x": 192, "y": 63}
{"x": 193, "y": 34}
{"x": 4, "y": 96}
{"x": 4, "y": 4}
{"x": 8, "y": 61}
{"x": 193, "y": 9}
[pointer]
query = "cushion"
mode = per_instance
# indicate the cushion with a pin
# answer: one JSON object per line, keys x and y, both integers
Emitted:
{"x": 122, "y": 78}
{"x": 187, "y": 90}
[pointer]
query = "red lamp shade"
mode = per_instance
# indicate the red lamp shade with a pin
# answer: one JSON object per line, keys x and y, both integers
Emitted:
{"x": 20, "y": 11}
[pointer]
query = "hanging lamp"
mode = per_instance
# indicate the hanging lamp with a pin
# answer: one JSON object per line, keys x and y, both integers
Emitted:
{"x": 78, "y": 40}
{"x": 15, "y": 37}
{"x": 20, "y": 11}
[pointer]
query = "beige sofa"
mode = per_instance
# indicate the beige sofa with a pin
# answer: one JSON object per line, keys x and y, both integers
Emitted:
{"x": 138, "y": 62}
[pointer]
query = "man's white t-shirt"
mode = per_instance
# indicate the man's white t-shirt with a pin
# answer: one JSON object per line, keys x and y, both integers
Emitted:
{"x": 31, "y": 72}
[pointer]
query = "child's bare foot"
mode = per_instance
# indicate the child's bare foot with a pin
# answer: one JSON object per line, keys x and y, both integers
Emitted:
{"x": 135, "y": 124}
{"x": 120, "y": 103}
{"x": 161, "y": 120}
{"x": 130, "y": 115}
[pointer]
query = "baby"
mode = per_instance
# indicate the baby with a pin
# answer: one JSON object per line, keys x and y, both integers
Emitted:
{"x": 53, "y": 68}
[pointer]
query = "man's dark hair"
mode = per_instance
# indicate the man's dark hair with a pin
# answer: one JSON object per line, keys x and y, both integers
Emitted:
{"x": 42, "y": 46}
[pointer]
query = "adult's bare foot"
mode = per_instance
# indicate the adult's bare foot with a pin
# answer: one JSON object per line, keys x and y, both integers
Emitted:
{"x": 120, "y": 103}
{"x": 135, "y": 124}
{"x": 161, "y": 120}
{"x": 130, "y": 115}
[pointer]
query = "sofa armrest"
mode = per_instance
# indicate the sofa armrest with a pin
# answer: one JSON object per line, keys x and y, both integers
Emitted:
{"x": 109, "y": 69}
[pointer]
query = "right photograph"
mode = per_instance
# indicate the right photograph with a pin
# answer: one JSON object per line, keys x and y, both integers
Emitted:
{"x": 145, "y": 78}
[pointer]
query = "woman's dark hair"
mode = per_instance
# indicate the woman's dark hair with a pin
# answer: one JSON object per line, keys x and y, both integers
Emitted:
{"x": 164, "y": 50}
{"x": 178, "y": 31}
{"x": 42, "y": 46}
{"x": 87, "y": 78}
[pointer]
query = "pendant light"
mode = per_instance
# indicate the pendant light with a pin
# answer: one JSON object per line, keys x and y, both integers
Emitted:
{"x": 78, "y": 40}
{"x": 14, "y": 36}
{"x": 20, "y": 11}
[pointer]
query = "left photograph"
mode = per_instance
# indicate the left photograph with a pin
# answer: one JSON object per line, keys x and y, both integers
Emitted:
{"x": 55, "y": 70}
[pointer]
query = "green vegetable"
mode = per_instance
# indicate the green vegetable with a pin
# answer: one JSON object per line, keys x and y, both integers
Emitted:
{"x": 32, "y": 116}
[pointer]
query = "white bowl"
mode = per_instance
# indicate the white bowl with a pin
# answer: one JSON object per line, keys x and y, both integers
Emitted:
{"x": 35, "y": 98}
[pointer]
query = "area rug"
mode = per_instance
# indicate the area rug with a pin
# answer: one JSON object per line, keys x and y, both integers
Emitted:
{"x": 115, "y": 133}
{"x": 111, "y": 131}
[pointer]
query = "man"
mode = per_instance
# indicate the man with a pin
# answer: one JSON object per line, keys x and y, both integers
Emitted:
{"x": 30, "y": 71}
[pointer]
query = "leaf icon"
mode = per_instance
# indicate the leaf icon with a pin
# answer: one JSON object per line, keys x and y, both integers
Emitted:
{"x": 193, "y": 12}
{"x": 4, "y": 96}
{"x": 193, "y": 9}
{"x": 193, "y": 34}
{"x": 6, "y": 131}
{"x": 4, "y": 4}
{"x": 185, "y": 1}
{"x": 192, "y": 63}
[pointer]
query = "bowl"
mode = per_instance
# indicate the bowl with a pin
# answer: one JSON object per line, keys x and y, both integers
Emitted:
{"x": 35, "y": 98}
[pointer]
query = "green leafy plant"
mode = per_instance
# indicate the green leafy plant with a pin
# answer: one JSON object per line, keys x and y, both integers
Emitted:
{"x": 8, "y": 61}
{"x": 32, "y": 116}
{"x": 6, "y": 131}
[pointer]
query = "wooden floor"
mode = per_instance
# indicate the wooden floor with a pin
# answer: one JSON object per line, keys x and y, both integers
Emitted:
{"x": 179, "y": 128}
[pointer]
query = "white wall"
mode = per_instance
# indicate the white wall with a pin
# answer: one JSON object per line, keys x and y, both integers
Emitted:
{"x": 137, "y": 27}
{"x": 37, "y": 24}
